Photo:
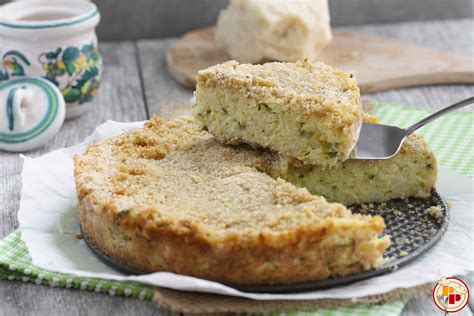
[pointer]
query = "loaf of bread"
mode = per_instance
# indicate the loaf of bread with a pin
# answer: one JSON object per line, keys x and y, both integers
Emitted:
{"x": 283, "y": 30}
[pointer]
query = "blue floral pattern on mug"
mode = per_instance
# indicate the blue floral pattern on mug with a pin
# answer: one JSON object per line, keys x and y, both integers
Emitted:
{"x": 79, "y": 67}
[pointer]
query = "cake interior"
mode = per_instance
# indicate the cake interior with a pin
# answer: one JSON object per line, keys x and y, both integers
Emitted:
{"x": 411, "y": 173}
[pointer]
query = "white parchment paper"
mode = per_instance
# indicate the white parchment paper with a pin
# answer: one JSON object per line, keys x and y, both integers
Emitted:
{"x": 49, "y": 223}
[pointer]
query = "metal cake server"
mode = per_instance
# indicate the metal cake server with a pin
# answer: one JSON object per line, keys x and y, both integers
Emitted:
{"x": 377, "y": 141}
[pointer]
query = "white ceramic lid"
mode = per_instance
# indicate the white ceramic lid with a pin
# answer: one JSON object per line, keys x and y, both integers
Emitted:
{"x": 32, "y": 111}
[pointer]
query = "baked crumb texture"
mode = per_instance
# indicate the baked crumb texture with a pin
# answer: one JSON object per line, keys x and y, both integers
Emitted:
{"x": 169, "y": 197}
{"x": 411, "y": 173}
{"x": 307, "y": 111}
{"x": 436, "y": 213}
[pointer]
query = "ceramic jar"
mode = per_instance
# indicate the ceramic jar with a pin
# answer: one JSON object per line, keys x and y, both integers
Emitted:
{"x": 56, "y": 41}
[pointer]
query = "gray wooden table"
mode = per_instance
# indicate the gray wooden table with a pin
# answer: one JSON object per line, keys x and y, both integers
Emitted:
{"x": 136, "y": 82}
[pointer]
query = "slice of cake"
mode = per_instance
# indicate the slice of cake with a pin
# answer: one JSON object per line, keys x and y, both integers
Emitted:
{"x": 254, "y": 31}
{"x": 169, "y": 197}
{"x": 307, "y": 111}
{"x": 410, "y": 173}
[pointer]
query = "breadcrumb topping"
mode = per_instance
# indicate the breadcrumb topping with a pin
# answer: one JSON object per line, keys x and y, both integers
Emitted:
{"x": 183, "y": 175}
{"x": 313, "y": 87}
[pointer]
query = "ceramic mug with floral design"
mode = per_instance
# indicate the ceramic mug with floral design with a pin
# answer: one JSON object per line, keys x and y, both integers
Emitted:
{"x": 56, "y": 41}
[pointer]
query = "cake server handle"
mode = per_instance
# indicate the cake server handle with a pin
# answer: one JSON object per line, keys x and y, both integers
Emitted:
{"x": 438, "y": 114}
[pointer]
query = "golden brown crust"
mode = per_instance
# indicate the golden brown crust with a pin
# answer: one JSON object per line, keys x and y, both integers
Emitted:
{"x": 303, "y": 255}
{"x": 170, "y": 198}
{"x": 312, "y": 88}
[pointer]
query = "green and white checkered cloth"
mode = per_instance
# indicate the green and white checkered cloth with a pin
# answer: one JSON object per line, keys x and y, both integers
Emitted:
{"x": 451, "y": 138}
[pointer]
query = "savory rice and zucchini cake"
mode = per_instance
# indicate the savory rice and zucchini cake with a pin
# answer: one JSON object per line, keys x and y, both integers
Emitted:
{"x": 238, "y": 193}
{"x": 170, "y": 197}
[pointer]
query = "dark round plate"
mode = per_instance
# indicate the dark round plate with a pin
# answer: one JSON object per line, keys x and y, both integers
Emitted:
{"x": 412, "y": 232}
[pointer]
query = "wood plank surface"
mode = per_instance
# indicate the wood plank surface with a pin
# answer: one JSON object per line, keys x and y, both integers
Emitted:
{"x": 378, "y": 63}
{"x": 160, "y": 87}
{"x": 443, "y": 35}
{"x": 455, "y": 36}
{"x": 121, "y": 20}
{"x": 18, "y": 298}
{"x": 121, "y": 98}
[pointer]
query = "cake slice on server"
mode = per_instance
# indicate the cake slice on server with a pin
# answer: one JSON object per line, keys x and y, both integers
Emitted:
{"x": 410, "y": 173}
{"x": 307, "y": 111}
